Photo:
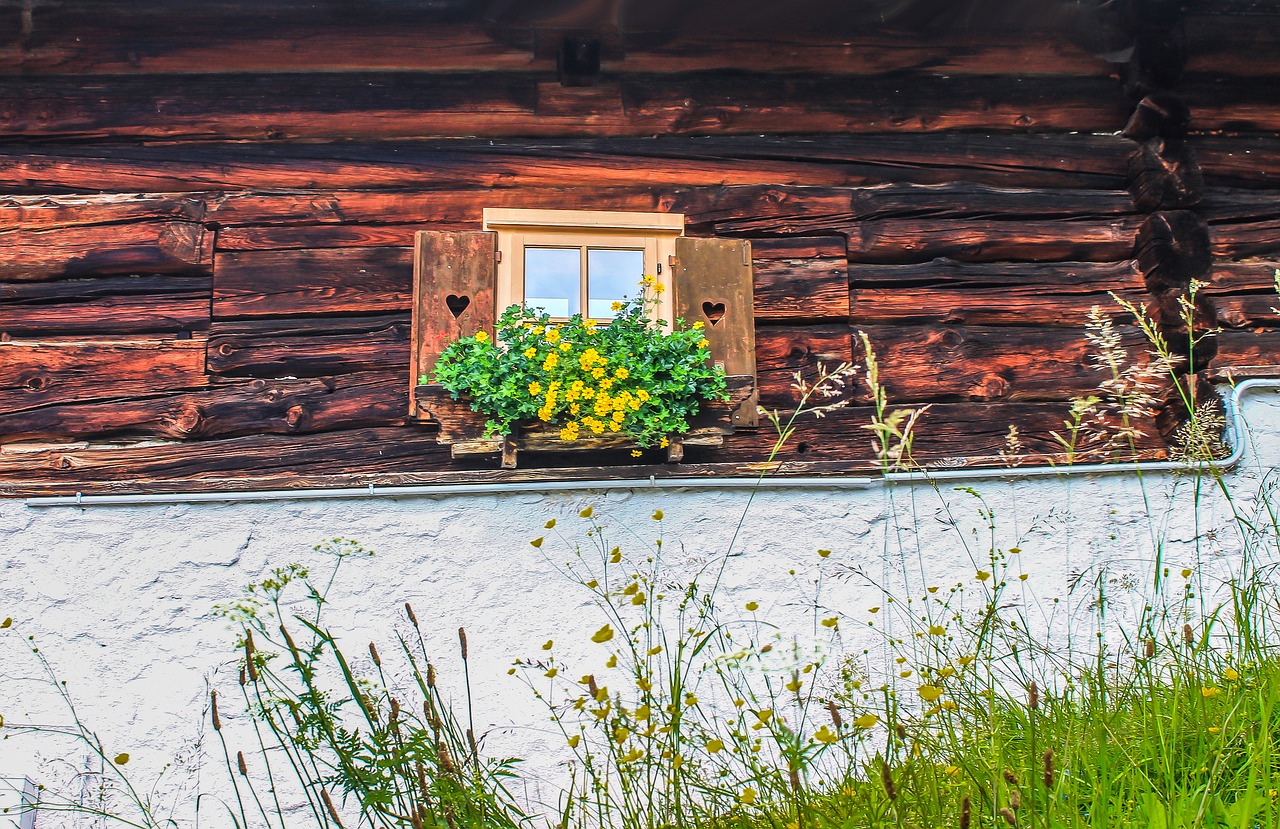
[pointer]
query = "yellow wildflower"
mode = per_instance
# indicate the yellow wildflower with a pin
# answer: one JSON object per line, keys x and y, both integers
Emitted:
{"x": 621, "y": 373}
{"x": 635, "y": 453}
{"x": 648, "y": 280}
{"x": 1231, "y": 674}
{"x": 530, "y": 352}
{"x": 482, "y": 337}
{"x": 602, "y": 635}
{"x": 930, "y": 693}
{"x": 597, "y": 373}
{"x": 1209, "y": 691}
{"x": 703, "y": 343}
{"x": 663, "y": 443}
{"x": 535, "y": 388}
{"x": 752, "y": 606}
{"x": 825, "y": 735}
{"x": 658, "y": 287}
{"x": 574, "y": 740}
{"x": 748, "y": 795}
{"x": 715, "y": 745}
{"x": 565, "y": 346}
{"x": 697, "y": 326}
{"x": 615, "y": 306}
{"x": 866, "y": 721}
{"x": 553, "y": 336}
{"x": 605, "y": 383}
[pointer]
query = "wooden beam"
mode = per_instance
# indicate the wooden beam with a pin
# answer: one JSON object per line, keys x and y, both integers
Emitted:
{"x": 312, "y": 347}
{"x": 323, "y": 281}
{"x": 147, "y": 247}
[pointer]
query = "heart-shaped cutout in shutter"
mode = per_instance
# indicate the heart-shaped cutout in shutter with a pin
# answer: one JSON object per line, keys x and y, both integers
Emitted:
{"x": 714, "y": 312}
{"x": 457, "y": 304}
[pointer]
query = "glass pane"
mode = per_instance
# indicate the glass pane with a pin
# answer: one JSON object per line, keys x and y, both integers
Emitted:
{"x": 612, "y": 276}
{"x": 552, "y": 280}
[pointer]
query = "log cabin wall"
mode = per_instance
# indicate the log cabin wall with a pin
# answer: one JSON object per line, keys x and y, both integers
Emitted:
{"x": 208, "y": 214}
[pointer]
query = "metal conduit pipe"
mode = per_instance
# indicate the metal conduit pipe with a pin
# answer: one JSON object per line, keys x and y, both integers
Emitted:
{"x": 1235, "y": 435}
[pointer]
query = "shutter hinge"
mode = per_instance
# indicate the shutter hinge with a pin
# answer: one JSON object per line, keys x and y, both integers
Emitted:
{"x": 746, "y": 260}
{"x": 497, "y": 255}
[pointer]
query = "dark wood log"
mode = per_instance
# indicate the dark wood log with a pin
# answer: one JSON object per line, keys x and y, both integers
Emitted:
{"x": 310, "y": 237}
{"x": 1156, "y": 64}
{"x": 1165, "y": 175}
{"x": 906, "y": 241}
{"x": 967, "y": 199}
{"x": 324, "y": 281}
{"x": 1222, "y": 103}
{"x": 1246, "y": 311}
{"x": 209, "y": 464}
{"x": 1005, "y": 159}
{"x": 46, "y": 212}
{"x": 310, "y": 347}
{"x": 144, "y": 247}
{"x": 947, "y": 435}
{"x": 946, "y": 291}
{"x": 811, "y": 286}
{"x": 1245, "y": 240}
{"x": 782, "y": 352}
{"x": 35, "y": 373}
{"x": 414, "y": 104}
{"x": 1158, "y": 116}
{"x": 1239, "y": 160}
{"x": 106, "y": 305}
{"x": 225, "y": 409}
{"x": 1256, "y": 275}
{"x": 1220, "y": 41}
{"x": 1173, "y": 249}
{"x": 947, "y": 363}
{"x": 1258, "y": 347}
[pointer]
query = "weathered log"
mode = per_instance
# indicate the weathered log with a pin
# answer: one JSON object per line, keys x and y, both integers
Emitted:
{"x": 1158, "y": 116}
{"x": 1258, "y": 347}
{"x": 1220, "y": 103}
{"x": 967, "y": 199}
{"x": 274, "y": 238}
{"x": 905, "y": 241}
{"x": 1196, "y": 340}
{"x": 1242, "y": 240}
{"x": 1255, "y": 275}
{"x": 1164, "y": 175}
{"x": 1156, "y": 64}
{"x": 323, "y": 281}
{"x": 45, "y": 211}
{"x": 946, "y": 291}
{"x": 146, "y": 247}
{"x": 309, "y": 347}
{"x": 106, "y": 305}
{"x": 946, "y": 363}
{"x": 1004, "y": 159}
{"x": 1239, "y": 160}
{"x": 800, "y": 279}
{"x": 36, "y": 373}
{"x": 781, "y": 353}
{"x": 1173, "y": 249}
{"x": 225, "y": 409}
{"x": 414, "y": 104}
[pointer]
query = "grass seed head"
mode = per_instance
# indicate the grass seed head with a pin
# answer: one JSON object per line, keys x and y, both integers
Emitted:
{"x": 1048, "y": 768}
{"x": 1010, "y": 777}
{"x": 213, "y": 709}
{"x": 462, "y": 641}
{"x": 408, "y": 610}
{"x": 966, "y": 813}
{"x": 836, "y": 719}
{"x": 240, "y": 764}
{"x": 373, "y": 653}
{"x": 1009, "y": 817}
{"x": 1033, "y": 696}
{"x": 886, "y": 778}
{"x": 1188, "y": 635}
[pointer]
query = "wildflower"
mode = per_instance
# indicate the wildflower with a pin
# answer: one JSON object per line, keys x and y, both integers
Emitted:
{"x": 482, "y": 337}
{"x": 824, "y": 553}
{"x": 952, "y": 771}
{"x": 546, "y": 646}
{"x": 642, "y": 713}
{"x": 715, "y": 745}
{"x": 825, "y": 735}
{"x": 866, "y": 721}
{"x": 752, "y": 606}
{"x": 553, "y": 336}
{"x": 936, "y": 630}
{"x": 1231, "y": 674}
{"x": 930, "y": 693}
{"x": 537, "y": 542}
{"x": 658, "y": 287}
{"x": 748, "y": 795}
{"x": 574, "y": 740}
{"x": 635, "y": 453}
{"x": 535, "y": 388}
{"x": 794, "y": 686}
{"x": 122, "y": 758}
{"x": 602, "y": 635}
{"x": 530, "y": 352}
{"x": 615, "y": 555}
{"x": 704, "y": 342}
{"x": 831, "y": 622}
{"x": 657, "y": 515}
{"x": 551, "y": 673}
{"x": 663, "y": 444}
{"x": 697, "y": 326}
{"x": 982, "y": 575}
{"x": 1209, "y": 691}
{"x": 621, "y": 733}
{"x": 648, "y": 280}
{"x": 615, "y": 306}
{"x": 587, "y": 512}
{"x": 566, "y": 346}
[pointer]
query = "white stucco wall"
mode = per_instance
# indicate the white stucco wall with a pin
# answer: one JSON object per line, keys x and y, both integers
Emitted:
{"x": 119, "y": 598}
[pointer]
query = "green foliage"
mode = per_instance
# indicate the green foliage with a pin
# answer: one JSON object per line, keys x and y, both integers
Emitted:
{"x": 626, "y": 378}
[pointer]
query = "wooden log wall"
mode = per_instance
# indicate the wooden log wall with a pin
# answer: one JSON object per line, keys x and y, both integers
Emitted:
{"x": 207, "y": 216}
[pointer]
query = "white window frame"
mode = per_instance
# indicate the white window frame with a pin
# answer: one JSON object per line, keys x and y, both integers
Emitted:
{"x": 518, "y": 228}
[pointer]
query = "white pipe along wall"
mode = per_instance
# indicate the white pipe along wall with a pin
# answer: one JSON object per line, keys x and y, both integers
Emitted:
{"x": 117, "y": 592}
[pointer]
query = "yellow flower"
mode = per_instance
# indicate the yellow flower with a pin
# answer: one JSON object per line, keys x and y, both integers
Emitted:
{"x": 1186, "y": 572}
{"x": 602, "y": 635}
{"x": 597, "y": 373}
{"x": 982, "y": 575}
{"x": 574, "y": 740}
{"x": 654, "y": 651}
{"x": 648, "y": 280}
{"x": 535, "y": 388}
{"x": 936, "y": 630}
{"x": 621, "y": 373}
{"x": 703, "y": 343}
{"x": 715, "y": 745}
{"x": 1209, "y": 691}
{"x": 825, "y": 735}
{"x": 530, "y": 352}
{"x": 553, "y": 336}
{"x": 697, "y": 326}
{"x": 550, "y": 674}
{"x": 752, "y": 606}
{"x": 663, "y": 443}
{"x": 952, "y": 771}
{"x": 643, "y": 394}
{"x": 537, "y": 542}
{"x": 930, "y": 693}
{"x": 1231, "y": 674}
{"x": 605, "y": 383}
{"x": 794, "y": 686}
{"x": 537, "y": 332}
{"x": 831, "y": 622}
{"x": 866, "y": 721}
{"x": 615, "y": 306}
{"x": 635, "y": 453}
{"x": 565, "y": 346}
{"x": 658, "y": 287}
{"x": 748, "y": 795}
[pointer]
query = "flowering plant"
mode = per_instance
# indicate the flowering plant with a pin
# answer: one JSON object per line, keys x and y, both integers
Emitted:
{"x": 626, "y": 378}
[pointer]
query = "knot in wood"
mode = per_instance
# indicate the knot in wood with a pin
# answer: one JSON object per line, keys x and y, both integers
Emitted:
{"x": 296, "y": 417}
{"x": 188, "y": 419}
{"x": 990, "y": 387}
{"x": 35, "y": 382}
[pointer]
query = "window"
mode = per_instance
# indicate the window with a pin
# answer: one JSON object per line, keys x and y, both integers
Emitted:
{"x": 581, "y": 261}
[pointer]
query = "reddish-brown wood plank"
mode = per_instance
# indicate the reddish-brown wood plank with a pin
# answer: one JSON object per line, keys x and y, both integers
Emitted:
{"x": 809, "y": 287}
{"x": 1256, "y": 347}
{"x": 904, "y": 241}
{"x": 1239, "y": 160}
{"x": 309, "y": 347}
{"x": 147, "y": 247}
{"x": 318, "y": 236}
{"x": 388, "y": 105}
{"x": 225, "y": 409}
{"x": 1005, "y": 159}
{"x": 781, "y": 352}
{"x": 35, "y": 373}
{"x": 323, "y": 281}
{"x": 946, "y": 291}
{"x": 119, "y": 314}
{"x": 51, "y": 211}
{"x": 949, "y": 363}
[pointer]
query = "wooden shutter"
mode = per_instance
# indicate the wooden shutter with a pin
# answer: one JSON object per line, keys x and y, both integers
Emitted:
{"x": 711, "y": 280}
{"x": 453, "y": 293}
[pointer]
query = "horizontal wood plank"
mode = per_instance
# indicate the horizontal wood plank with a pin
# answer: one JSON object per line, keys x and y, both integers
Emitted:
{"x": 142, "y": 247}
{"x": 309, "y": 347}
{"x": 49, "y": 211}
{"x": 322, "y": 281}
{"x": 784, "y": 351}
{"x": 105, "y": 305}
{"x": 812, "y": 288}
{"x": 906, "y": 241}
{"x": 224, "y": 409}
{"x": 35, "y": 373}
{"x": 947, "y": 291}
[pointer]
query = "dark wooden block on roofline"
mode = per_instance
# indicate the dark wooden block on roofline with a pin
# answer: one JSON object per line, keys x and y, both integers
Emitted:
{"x": 463, "y": 429}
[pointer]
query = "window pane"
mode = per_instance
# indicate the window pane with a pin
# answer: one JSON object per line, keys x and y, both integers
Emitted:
{"x": 552, "y": 280}
{"x": 612, "y": 275}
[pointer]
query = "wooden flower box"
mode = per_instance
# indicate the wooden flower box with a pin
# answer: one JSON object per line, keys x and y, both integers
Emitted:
{"x": 463, "y": 429}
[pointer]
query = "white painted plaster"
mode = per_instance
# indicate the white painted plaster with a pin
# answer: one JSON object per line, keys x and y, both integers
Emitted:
{"x": 119, "y": 598}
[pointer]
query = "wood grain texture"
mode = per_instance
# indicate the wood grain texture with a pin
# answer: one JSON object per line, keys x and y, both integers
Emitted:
{"x": 36, "y": 373}
{"x": 454, "y": 289}
{"x": 324, "y": 281}
{"x": 105, "y": 305}
{"x": 904, "y": 241}
{"x": 147, "y": 247}
{"x": 309, "y": 347}
{"x": 966, "y": 293}
{"x": 784, "y": 351}
{"x": 224, "y": 409}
